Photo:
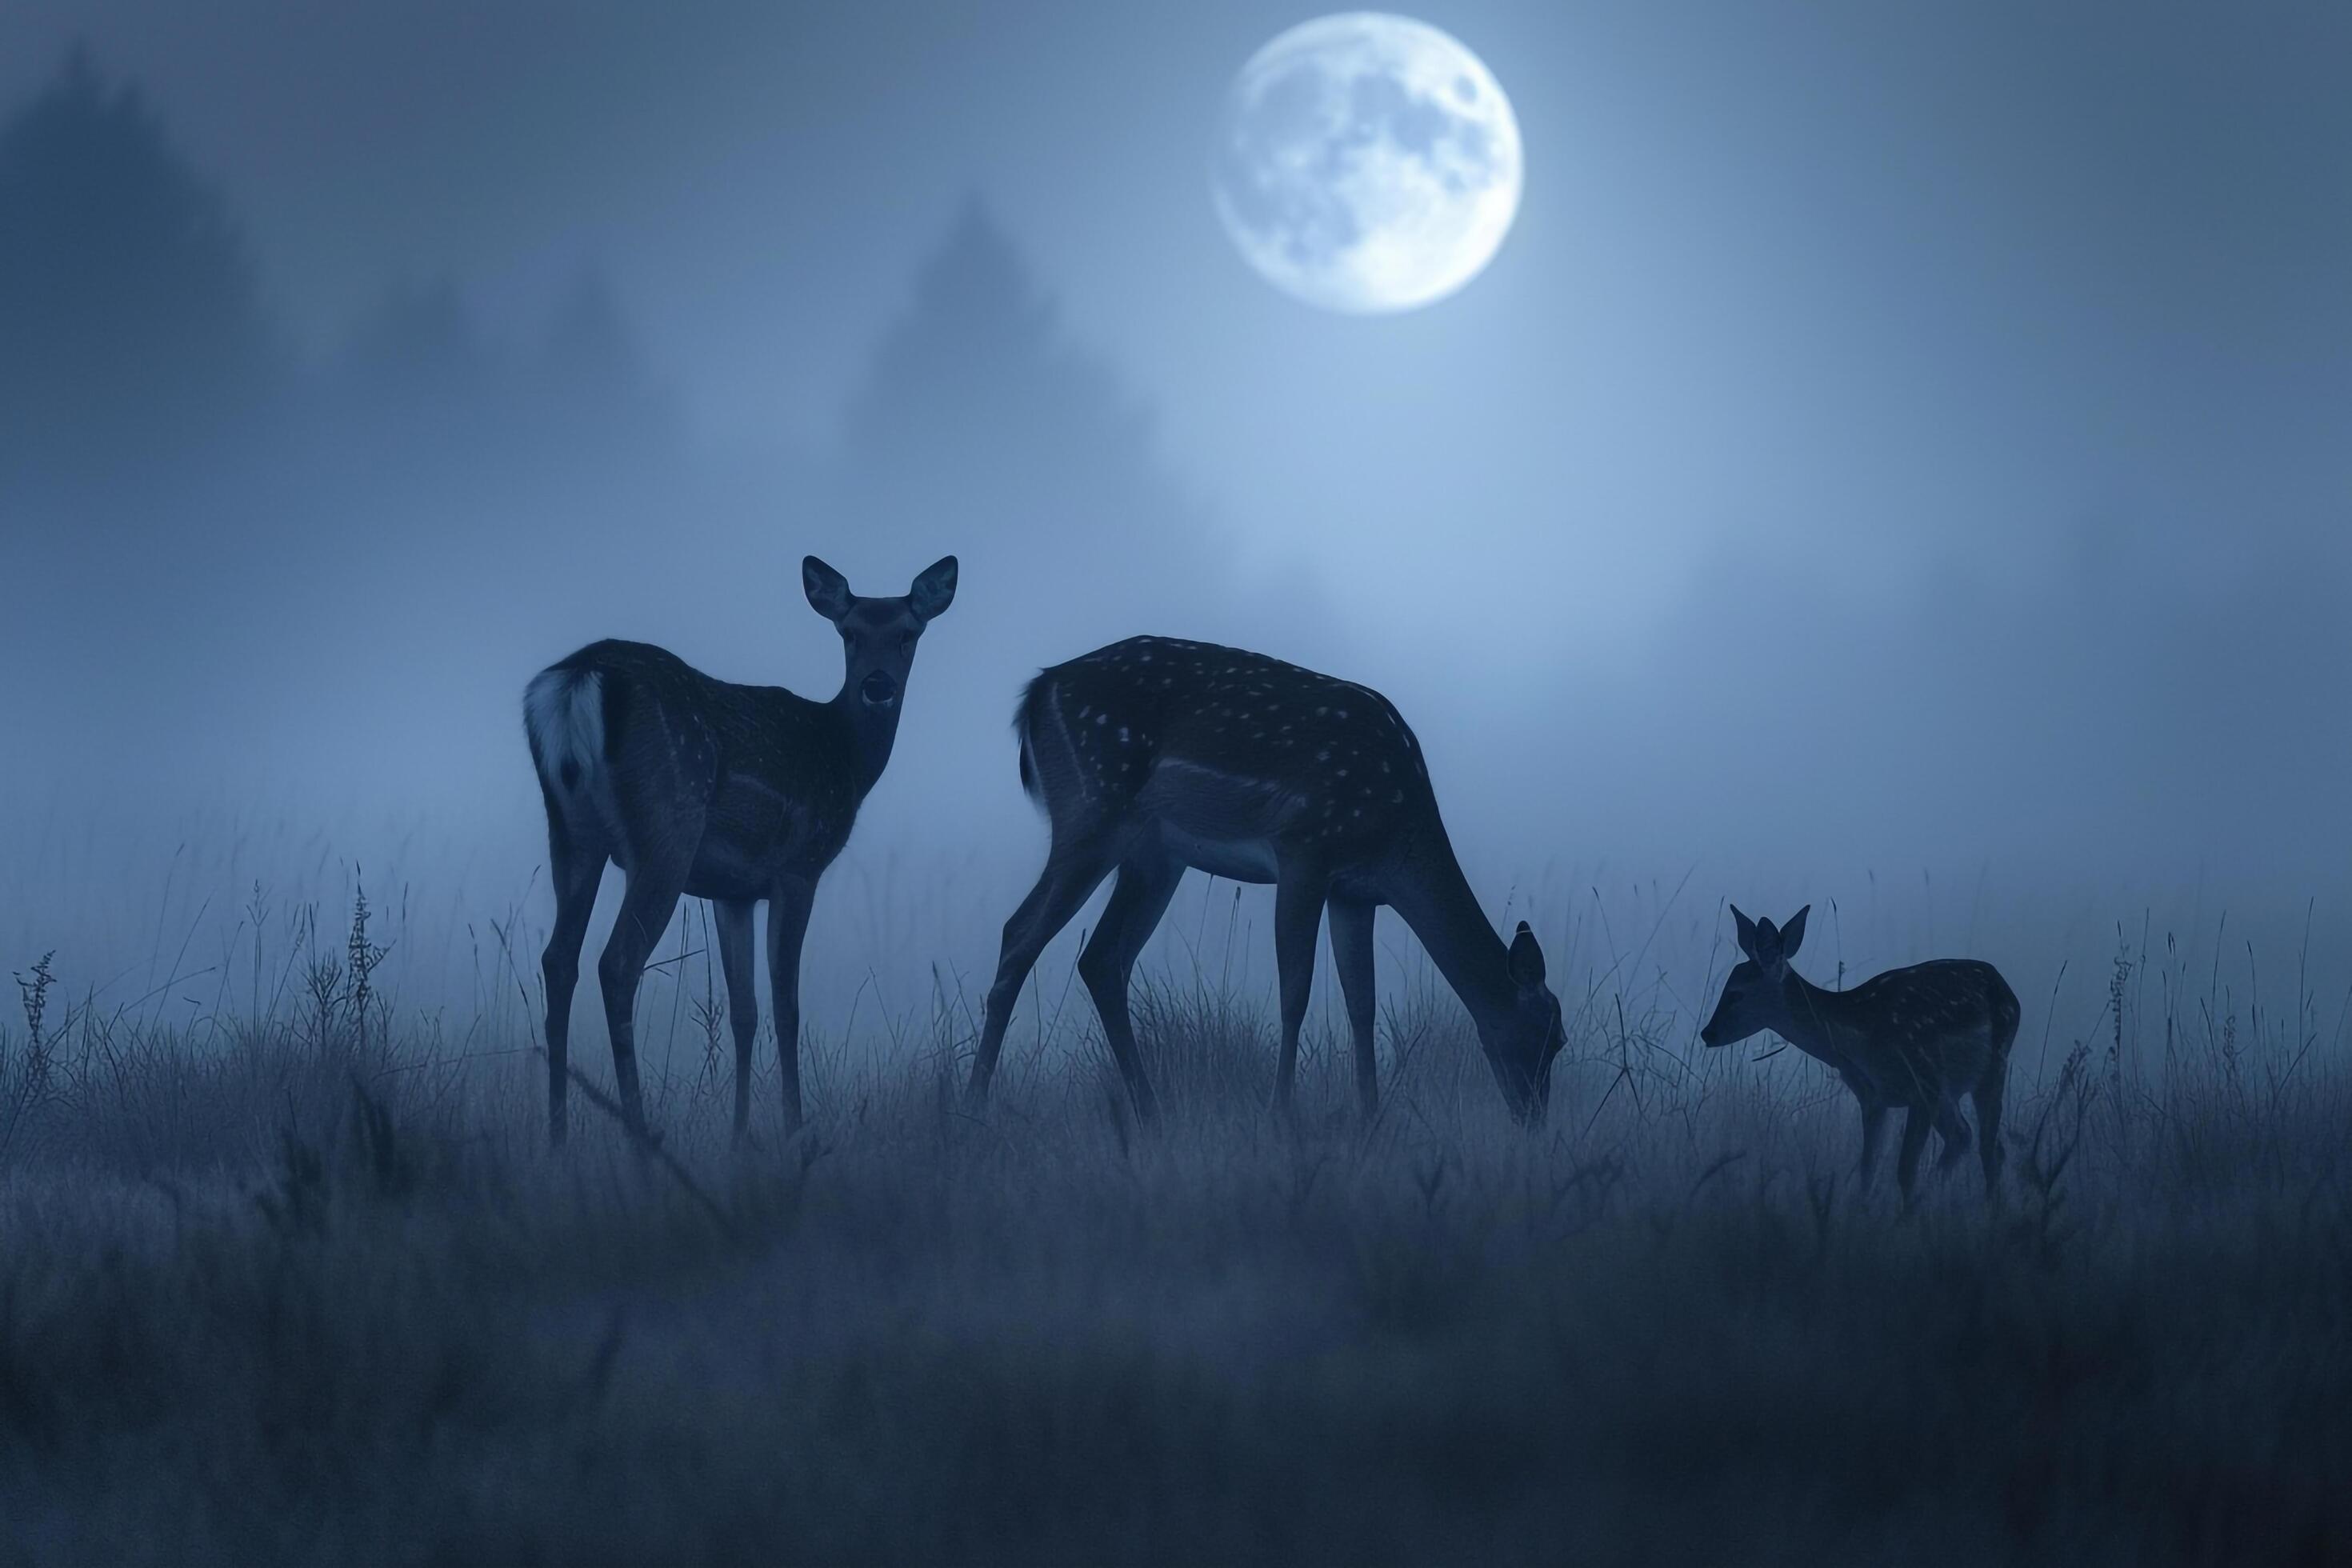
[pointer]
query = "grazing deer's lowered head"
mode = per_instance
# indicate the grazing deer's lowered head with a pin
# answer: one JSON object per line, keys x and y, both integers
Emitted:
{"x": 1522, "y": 1044}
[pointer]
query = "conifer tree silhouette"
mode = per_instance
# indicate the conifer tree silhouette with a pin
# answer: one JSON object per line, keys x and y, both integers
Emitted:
{"x": 132, "y": 328}
{"x": 980, "y": 430}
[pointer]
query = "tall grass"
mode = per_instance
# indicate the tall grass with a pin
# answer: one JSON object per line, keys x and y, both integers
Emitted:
{"x": 295, "y": 1280}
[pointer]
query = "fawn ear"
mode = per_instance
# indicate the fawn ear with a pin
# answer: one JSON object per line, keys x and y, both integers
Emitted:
{"x": 1766, "y": 948}
{"x": 1527, "y": 959}
{"x": 1792, "y": 936}
{"x": 1747, "y": 932}
{"x": 934, "y": 591}
{"x": 828, "y": 590}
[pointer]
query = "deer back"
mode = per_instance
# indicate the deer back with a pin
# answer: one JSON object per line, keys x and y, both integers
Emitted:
{"x": 1195, "y": 730}
{"x": 1940, "y": 1024}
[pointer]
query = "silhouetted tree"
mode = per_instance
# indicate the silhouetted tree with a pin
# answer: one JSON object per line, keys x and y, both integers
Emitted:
{"x": 420, "y": 344}
{"x": 980, "y": 430}
{"x": 419, "y": 381}
{"x": 130, "y": 326}
{"x": 414, "y": 380}
{"x": 591, "y": 377}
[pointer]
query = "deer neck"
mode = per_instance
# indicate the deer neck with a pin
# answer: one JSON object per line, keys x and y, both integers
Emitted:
{"x": 1809, "y": 1018}
{"x": 870, "y": 735}
{"x": 1429, "y": 890}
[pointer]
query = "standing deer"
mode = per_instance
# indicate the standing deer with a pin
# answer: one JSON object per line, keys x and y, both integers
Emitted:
{"x": 1918, "y": 1037}
{"x": 1154, "y": 754}
{"x": 733, "y": 793}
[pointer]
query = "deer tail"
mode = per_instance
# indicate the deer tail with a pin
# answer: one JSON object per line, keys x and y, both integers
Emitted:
{"x": 563, "y": 714}
{"x": 1034, "y": 698}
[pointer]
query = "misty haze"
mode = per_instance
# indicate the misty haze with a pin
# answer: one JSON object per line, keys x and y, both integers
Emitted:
{"x": 1892, "y": 467}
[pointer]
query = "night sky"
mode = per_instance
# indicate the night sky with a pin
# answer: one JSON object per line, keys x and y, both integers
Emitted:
{"x": 1899, "y": 455}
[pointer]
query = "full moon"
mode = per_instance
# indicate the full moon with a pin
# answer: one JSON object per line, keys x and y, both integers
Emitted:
{"x": 1367, "y": 162}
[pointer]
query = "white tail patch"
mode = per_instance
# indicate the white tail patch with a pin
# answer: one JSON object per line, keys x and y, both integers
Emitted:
{"x": 563, "y": 712}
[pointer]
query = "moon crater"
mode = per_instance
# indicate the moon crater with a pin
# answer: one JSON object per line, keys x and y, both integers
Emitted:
{"x": 1367, "y": 162}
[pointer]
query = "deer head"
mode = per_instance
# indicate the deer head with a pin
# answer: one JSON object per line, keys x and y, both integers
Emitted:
{"x": 1754, "y": 993}
{"x": 1522, "y": 1045}
{"x": 878, "y": 635}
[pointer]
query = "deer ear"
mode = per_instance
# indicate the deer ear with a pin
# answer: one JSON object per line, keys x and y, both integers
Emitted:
{"x": 934, "y": 591}
{"x": 1766, "y": 949}
{"x": 1747, "y": 932}
{"x": 1792, "y": 936}
{"x": 1527, "y": 959}
{"x": 828, "y": 590}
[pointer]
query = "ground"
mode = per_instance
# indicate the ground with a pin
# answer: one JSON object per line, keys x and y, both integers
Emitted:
{"x": 311, "y": 1289}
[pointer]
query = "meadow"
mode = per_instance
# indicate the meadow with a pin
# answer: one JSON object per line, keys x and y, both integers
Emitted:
{"x": 293, "y": 1278}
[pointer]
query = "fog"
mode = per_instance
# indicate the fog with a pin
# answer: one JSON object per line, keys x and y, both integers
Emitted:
{"x": 1897, "y": 461}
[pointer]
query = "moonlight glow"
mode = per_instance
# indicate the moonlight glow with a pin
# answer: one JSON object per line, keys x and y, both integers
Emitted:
{"x": 1367, "y": 162}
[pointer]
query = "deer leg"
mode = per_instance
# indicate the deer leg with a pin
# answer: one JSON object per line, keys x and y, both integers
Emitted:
{"x": 576, "y": 868}
{"x": 733, "y": 919}
{"x": 1873, "y": 1134}
{"x": 1138, "y": 900}
{"x": 654, "y": 888}
{"x": 1915, "y": 1122}
{"x": 1990, "y": 1090}
{"x": 1351, "y": 955}
{"x": 1072, "y": 873}
{"x": 1298, "y": 915}
{"x": 788, "y": 917}
{"x": 1953, "y": 1129}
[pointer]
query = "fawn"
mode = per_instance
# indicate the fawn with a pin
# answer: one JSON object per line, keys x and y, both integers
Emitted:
{"x": 1918, "y": 1037}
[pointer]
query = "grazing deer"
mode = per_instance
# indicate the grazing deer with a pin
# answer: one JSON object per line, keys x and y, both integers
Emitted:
{"x": 733, "y": 793}
{"x": 1154, "y": 754}
{"x": 1918, "y": 1037}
